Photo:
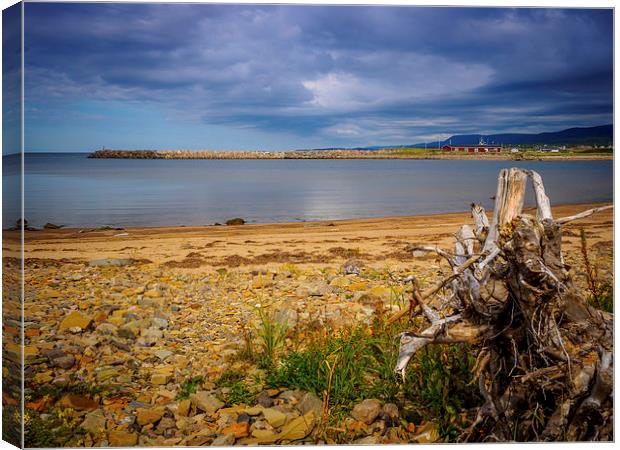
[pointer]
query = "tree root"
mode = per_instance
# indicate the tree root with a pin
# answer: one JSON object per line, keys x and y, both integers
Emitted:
{"x": 545, "y": 361}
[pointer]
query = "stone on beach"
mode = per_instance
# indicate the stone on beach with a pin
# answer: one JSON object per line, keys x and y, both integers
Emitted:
{"x": 206, "y": 402}
{"x": 145, "y": 416}
{"x": 75, "y": 319}
{"x": 367, "y": 410}
{"x": 110, "y": 262}
{"x": 135, "y": 358}
{"x": 122, "y": 438}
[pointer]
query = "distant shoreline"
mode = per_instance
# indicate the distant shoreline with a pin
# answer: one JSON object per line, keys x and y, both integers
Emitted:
{"x": 344, "y": 154}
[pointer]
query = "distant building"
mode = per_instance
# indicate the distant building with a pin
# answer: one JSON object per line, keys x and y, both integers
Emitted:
{"x": 546, "y": 149}
{"x": 514, "y": 150}
{"x": 480, "y": 148}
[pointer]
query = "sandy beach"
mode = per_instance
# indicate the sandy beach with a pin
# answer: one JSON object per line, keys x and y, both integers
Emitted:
{"x": 134, "y": 314}
{"x": 376, "y": 241}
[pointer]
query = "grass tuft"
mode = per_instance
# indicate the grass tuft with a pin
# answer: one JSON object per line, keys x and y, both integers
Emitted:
{"x": 189, "y": 387}
{"x": 272, "y": 334}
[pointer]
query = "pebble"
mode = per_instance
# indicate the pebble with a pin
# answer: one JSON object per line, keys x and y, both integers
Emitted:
{"x": 367, "y": 411}
{"x": 110, "y": 262}
{"x": 310, "y": 402}
{"x": 146, "y": 416}
{"x": 122, "y": 438}
{"x": 274, "y": 417}
{"x": 206, "y": 402}
{"x": 75, "y": 319}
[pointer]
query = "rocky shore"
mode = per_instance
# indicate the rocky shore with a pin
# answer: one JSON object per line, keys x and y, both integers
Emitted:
{"x": 326, "y": 154}
{"x": 147, "y": 338}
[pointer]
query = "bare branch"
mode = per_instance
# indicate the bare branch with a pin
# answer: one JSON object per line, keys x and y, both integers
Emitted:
{"x": 583, "y": 214}
{"x": 543, "y": 207}
{"x": 436, "y": 288}
{"x": 481, "y": 220}
{"x": 432, "y": 249}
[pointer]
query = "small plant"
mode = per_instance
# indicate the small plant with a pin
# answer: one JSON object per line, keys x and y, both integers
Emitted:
{"x": 247, "y": 352}
{"x": 60, "y": 428}
{"x": 228, "y": 378}
{"x": 189, "y": 387}
{"x": 235, "y": 389}
{"x": 272, "y": 334}
{"x": 439, "y": 382}
{"x": 339, "y": 368}
{"x": 601, "y": 294}
{"x": 239, "y": 393}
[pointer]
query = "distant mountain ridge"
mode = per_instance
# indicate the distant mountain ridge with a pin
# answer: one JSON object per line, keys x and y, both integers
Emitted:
{"x": 599, "y": 135}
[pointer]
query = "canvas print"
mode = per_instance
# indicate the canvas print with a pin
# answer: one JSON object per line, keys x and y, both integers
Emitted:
{"x": 283, "y": 224}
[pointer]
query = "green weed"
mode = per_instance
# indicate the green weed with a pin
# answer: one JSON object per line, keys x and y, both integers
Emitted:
{"x": 348, "y": 366}
{"x": 189, "y": 387}
{"x": 239, "y": 393}
{"x": 601, "y": 295}
{"x": 439, "y": 381}
{"x": 272, "y": 334}
{"x": 344, "y": 367}
{"x": 57, "y": 430}
{"x": 228, "y": 378}
{"x": 236, "y": 391}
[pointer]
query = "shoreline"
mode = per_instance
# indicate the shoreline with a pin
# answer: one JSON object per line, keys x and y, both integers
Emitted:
{"x": 379, "y": 240}
{"x": 385, "y": 154}
{"x": 135, "y": 316}
{"x": 88, "y": 230}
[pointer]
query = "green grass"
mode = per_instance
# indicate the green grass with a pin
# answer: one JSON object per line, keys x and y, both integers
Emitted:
{"x": 352, "y": 365}
{"x": 605, "y": 299}
{"x": 237, "y": 391}
{"x": 189, "y": 387}
{"x": 439, "y": 379}
{"x": 272, "y": 335}
{"x": 59, "y": 429}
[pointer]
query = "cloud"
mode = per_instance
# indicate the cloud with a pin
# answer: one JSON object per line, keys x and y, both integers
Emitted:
{"x": 342, "y": 75}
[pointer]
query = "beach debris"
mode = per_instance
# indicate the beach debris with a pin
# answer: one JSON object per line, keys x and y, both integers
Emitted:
{"x": 52, "y": 226}
{"x": 352, "y": 267}
{"x": 110, "y": 262}
{"x": 19, "y": 223}
{"x": 235, "y": 221}
{"x": 541, "y": 345}
{"x": 103, "y": 228}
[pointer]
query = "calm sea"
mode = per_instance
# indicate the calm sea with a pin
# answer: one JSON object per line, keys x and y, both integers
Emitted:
{"x": 75, "y": 191}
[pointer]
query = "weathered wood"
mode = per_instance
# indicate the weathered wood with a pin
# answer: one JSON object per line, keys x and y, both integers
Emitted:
{"x": 545, "y": 350}
{"x": 436, "y": 288}
{"x": 583, "y": 214}
{"x": 464, "y": 245}
{"x": 543, "y": 206}
{"x": 481, "y": 221}
{"x": 508, "y": 203}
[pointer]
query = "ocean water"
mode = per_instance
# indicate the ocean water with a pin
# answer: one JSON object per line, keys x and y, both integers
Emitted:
{"x": 75, "y": 191}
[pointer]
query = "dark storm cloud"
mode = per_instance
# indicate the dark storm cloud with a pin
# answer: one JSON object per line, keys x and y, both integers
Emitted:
{"x": 351, "y": 75}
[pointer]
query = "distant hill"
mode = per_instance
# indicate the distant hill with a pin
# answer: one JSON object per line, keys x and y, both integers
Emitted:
{"x": 601, "y": 135}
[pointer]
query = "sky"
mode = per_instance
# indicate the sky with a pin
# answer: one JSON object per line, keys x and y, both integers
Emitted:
{"x": 265, "y": 77}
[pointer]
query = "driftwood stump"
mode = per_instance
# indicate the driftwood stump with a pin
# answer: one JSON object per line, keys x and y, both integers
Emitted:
{"x": 545, "y": 356}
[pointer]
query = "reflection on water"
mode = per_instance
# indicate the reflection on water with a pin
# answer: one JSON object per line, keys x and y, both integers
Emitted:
{"x": 72, "y": 190}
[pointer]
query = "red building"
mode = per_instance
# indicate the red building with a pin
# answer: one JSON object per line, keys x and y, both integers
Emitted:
{"x": 480, "y": 148}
